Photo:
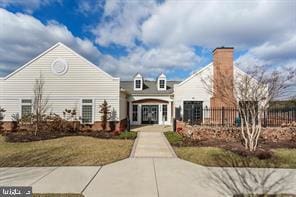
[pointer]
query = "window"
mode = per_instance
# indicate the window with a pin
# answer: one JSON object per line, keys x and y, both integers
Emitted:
{"x": 161, "y": 84}
{"x": 26, "y": 107}
{"x": 164, "y": 112}
{"x": 138, "y": 84}
{"x": 192, "y": 112}
{"x": 87, "y": 111}
{"x": 135, "y": 113}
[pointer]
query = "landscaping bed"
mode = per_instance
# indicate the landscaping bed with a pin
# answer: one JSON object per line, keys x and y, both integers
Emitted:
{"x": 209, "y": 152}
{"x": 64, "y": 151}
{"x": 27, "y": 136}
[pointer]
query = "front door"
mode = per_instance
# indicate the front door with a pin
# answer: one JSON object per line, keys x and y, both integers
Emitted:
{"x": 149, "y": 114}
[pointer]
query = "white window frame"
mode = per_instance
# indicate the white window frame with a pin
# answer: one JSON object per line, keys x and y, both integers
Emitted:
{"x": 24, "y": 104}
{"x": 161, "y": 77}
{"x": 162, "y": 106}
{"x": 93, "y": 109}
{"x": 133, "y": 112}
{"x": 141, "y": 84}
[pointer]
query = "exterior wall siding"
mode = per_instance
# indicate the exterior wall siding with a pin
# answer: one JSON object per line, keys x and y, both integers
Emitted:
{"x": 81, "y": 81}
{"x": 123, "y": 106}
{"x": 193, "y": 89}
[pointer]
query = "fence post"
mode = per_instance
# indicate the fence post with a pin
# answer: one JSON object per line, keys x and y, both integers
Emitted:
{"x": 223, "y": 116}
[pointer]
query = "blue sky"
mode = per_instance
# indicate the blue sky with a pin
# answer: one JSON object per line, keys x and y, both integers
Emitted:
{"x": 175, "y": 37}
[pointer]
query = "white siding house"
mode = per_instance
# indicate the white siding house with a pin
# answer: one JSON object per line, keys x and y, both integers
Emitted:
{"x": 193, "y": 89}
{"x": 69, "y": 79}
{"x": 72, "y": 82}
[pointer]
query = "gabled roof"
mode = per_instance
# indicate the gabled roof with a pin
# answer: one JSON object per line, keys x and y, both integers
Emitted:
{"x": 137, "y": 75}
{"x": 50, "y": 49}
{"x": 195, "y": 73}
{"x": 149, "y": 88}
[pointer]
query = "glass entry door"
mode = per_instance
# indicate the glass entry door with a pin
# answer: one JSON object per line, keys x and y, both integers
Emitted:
{"x": 149, "y": 114}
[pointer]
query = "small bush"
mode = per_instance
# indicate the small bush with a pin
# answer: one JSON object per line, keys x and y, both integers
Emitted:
{"x": 174, "y": 138}
{"x": 127, "y": 135}
{"x": 1, "y": 117}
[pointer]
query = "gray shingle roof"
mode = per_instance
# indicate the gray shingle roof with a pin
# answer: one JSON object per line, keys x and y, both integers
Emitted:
{"x": 149, "y": 87}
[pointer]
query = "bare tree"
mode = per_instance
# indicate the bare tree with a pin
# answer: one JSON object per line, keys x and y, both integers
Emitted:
{"x": 251, "y": 94}
{"x": 40, "y": 103}
{"x": 238, "y": 179}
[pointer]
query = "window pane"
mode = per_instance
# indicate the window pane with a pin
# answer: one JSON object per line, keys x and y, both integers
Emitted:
{"x": 192, "y": 112}
{"x": 135, "y": 112}
{"x": 161, "y": 84}
{"x": 26, "y": 110}
{"x": 138, "y": 83}
{"x": 29, "y": 101}
{"x": 87, "y": 114}
{"x": 165, "y": 112}
{"x": 87, "y": 101}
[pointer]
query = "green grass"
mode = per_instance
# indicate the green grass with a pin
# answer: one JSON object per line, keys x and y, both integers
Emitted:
{"x": 66, "y": 151}
{"x": 174, "y": 138}
{"x": 212, "y": 156}
{"x": 58, "y": 195}
{"x": 127, "y": 135}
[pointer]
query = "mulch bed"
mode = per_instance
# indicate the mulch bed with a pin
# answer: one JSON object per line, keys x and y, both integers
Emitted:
{"x": 263, "y": 150}
{"x": 29, "y": 136}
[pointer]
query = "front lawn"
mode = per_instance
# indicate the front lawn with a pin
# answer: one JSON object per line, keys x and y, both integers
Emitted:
{"x": 66, "y": 151}
{"x": 212, "y": 156}
{"x": 215, "y": 156}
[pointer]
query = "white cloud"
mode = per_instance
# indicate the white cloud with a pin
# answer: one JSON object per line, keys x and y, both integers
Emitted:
{"x": 22, "y": 37}
{"x": 277, "y": 51}
{"x": 215, "y": 23}
{"x": 28, "y": 6}
{"x": 34, "y": 37}
{"x": 122, "y": 21}
{"x": 87, "y": 7}
{"x": 272, "y": 53}
{"x": 150, "y": 62}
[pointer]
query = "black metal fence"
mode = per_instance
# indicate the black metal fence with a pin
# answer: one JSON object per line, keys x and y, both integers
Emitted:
{"x": 272, "y": 117}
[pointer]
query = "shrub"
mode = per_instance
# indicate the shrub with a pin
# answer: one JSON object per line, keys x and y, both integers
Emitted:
{"x": 2, "y": 110}
{"x": 174, "y": 138}
{"x": 71, "y": 123}
{"x": 127, "y": 135}
{"x": 105, "y": 111}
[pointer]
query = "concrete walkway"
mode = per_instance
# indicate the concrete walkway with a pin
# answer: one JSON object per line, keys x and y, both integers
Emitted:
{"x": 152, "y": 128}
{"x": 49, "y": 179}
{"x": 132, "y": 177}
{"x": 152, "y": 171}
{"x": 152, "y": 144}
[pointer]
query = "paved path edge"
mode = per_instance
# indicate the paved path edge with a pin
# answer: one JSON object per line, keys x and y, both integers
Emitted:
{"x": 132, "y": 154}
{"x": 169, "y": 145}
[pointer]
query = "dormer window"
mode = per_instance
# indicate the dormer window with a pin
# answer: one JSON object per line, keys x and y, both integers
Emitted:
{"x": 138, "y": 82}
{"x": 161, "y": 82}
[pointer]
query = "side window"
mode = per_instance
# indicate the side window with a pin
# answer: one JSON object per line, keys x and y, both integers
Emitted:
{"x": 135, "y": 113}
{"x": 165, "y": 112}
{"x": 87, "y": 111}
{"x": 26, "y": 107}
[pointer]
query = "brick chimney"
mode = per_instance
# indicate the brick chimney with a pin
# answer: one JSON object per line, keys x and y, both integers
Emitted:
{"x": 223, "y": 74}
